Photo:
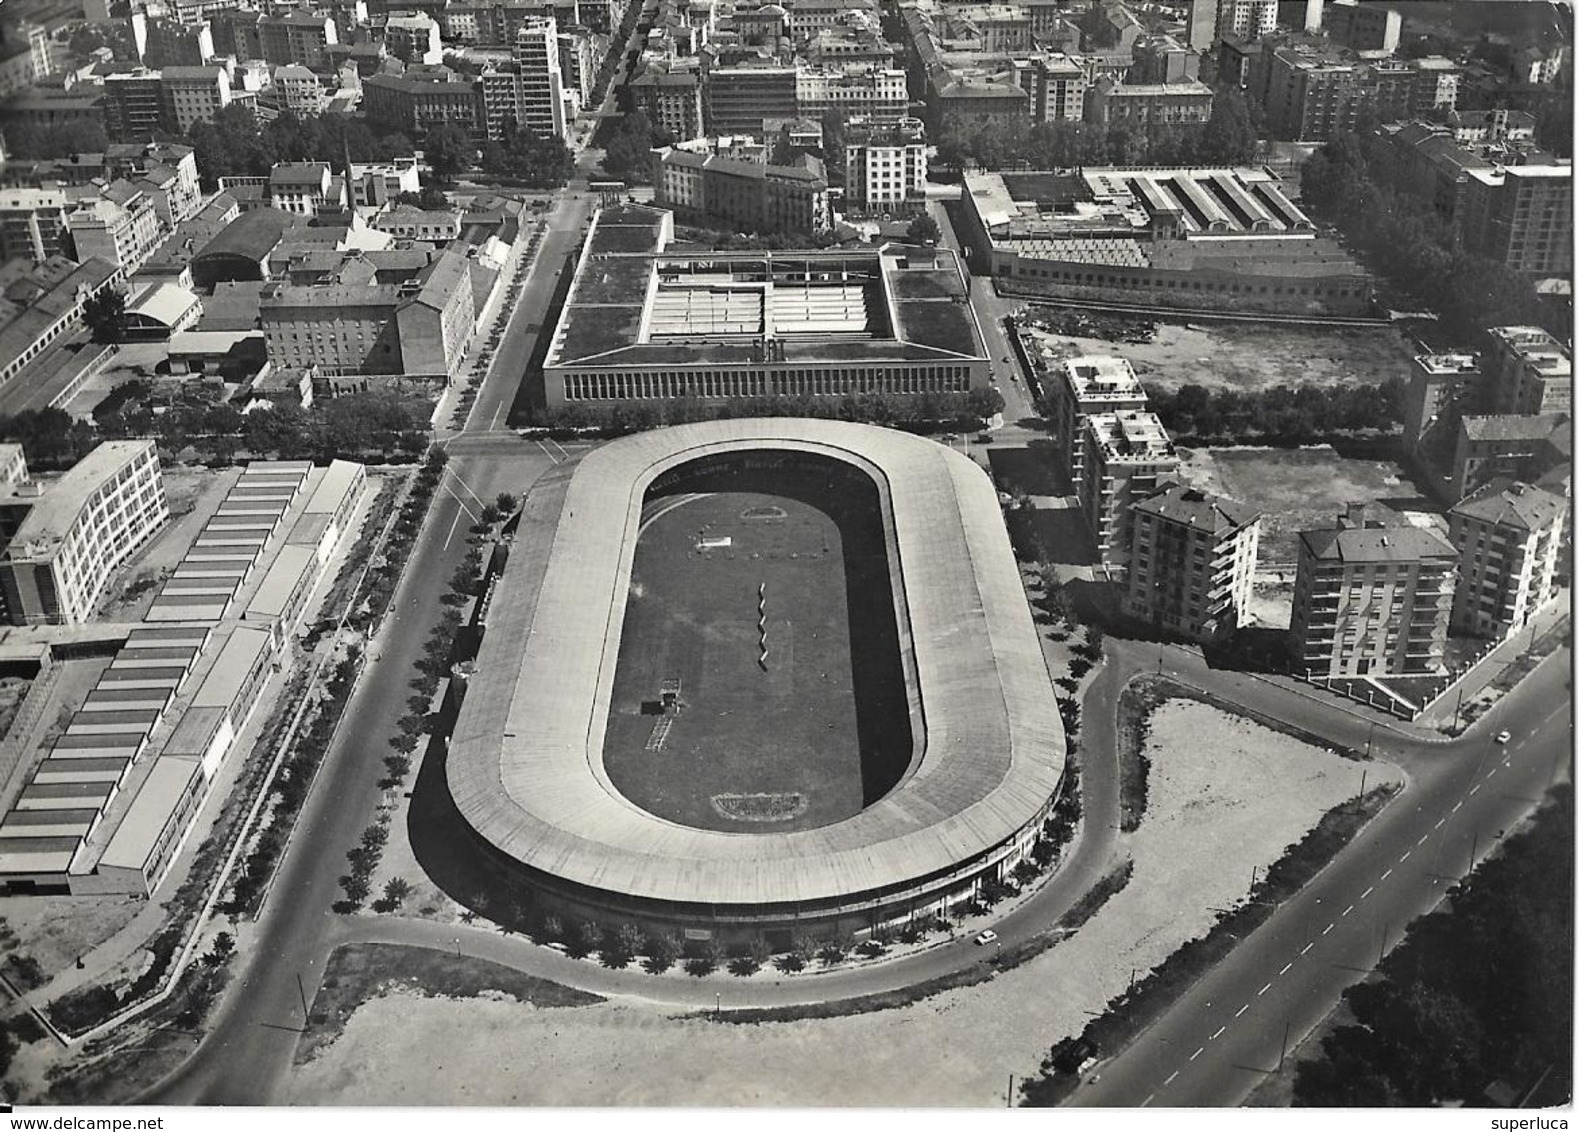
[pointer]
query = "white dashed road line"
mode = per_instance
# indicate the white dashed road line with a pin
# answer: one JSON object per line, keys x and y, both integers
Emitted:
{"x": 1241, "y": 1010}
{"x": 1386, "y": 874}
{"x": 1328, "y": 929}
{"x": 1366, "y": 892}
{"x": 1405, "y": 856}
{"x": 1348, "y": 909}
{"x": 1456, "y": 806}
{"x": 1285, "y": 967}
{"x": 1265, "y": 988}
{"x": 1474, "y": 789}
{"x": 1170, "y": 1077}
{"x": 1218, "y": 1033}
{"x": 1196, "y": 1053}
{"x": 1440, "y": 822}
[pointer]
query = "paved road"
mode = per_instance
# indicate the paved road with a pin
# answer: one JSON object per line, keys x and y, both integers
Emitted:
{"x": 255, "y": 1027}
{"x": 1222, "y": 1037}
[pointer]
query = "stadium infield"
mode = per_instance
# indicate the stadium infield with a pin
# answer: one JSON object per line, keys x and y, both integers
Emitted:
{"x": 756, "y": 746}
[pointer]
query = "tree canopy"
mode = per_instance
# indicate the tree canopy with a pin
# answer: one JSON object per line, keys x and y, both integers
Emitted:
{"x": 534, "y": 161}
{"x": 448, "y": 152}
{"x": 628, "y": 152}
{"x": 235, "y": 144}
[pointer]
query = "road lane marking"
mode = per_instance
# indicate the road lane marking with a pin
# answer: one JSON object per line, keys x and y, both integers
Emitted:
{"x": 1386, "y": 874}
{"x": 1216, "y": 1035}
{"x": 1307, "y": 946}
{"x": 1148, "y": 1100}
{"x": 496, "y": 414}
{"x": 1440, "y": 822}
{"x": 1492, "y": 771}
{"x": 1456, "y": 806}
{"x": 1405, "y": 856}
{"x": 1241, "y": 1010}
{"x": 1170, "y": 1077}
{"x": 1328, "y": 929}
{"x": 1348, "y": 909}
{"x": 1285, "y": 967}
{"x": 1265, "y": 988}
{"x": 1196, "y": 1053}
{"x": 1423, "y": 839}
{"x": 1366, "y": 892}
{"x": 1474, "y": 789}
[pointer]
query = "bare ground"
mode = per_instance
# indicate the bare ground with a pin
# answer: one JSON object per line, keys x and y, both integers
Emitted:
{"x": 1243, "y": 357}
{"x": 1221, "y": 788}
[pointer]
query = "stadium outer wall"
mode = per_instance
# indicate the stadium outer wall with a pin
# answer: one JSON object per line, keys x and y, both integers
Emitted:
{"x": 544, "y": 817}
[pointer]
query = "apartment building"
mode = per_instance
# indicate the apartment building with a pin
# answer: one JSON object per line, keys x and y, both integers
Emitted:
{"x": 1139, "y": 105}
{"x": 413, "y": 38}
{"x": 305, "y": 188}
{"x": 1056, "y": 85}
{"x": 170, "y": 43}
{"x": 417, "y": 101}
{"x": 1520, "y": 447}
{"x": 751, "y": 195}
{"x": 121, "y": 226}
{"x": 671, "y": 100}
{"x": 1509, "y": 540}
{"x": 1438, "y": 387}
{"x": 884, "y": 166}
{"x": 298, "y": 90}
{"x": 880, "y": 94}
{"x": 134, "y": 106}
{"x": 297, "y": 37}
{"x": 545, "y": 104}
{"x": 1247, "y": 19}
{"x": 69, "y": 540}
{"x": 1192, "y": 563}
{"x": 737, "y": 100}
{"x": 193, "y": 95}
{"x": 1520, "y": 216}
{"x": 1529, "y": 373}
{"x": 1127, "y": 458}
{"x": 1083, "y": 387}
{"x": 1373, "y": 596}
{"x": 31, "y": 221}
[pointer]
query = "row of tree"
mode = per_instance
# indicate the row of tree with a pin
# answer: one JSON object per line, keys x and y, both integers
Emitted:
{"x": 1400, "y": 235}
{"x": 1228, "y": 138}
{"x": 1478, "y": 993}
{"x": 969, "y": 409}
{"x": 1294, "y": 414}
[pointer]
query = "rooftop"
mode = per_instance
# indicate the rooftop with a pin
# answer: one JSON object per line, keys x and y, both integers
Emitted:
{"x": 53, "y": 513}
{"x": 1515, "y": 427}
{"x": 1098, "y": 377}
{"x": 1510, "y": 504}
{"x": 1130, "y": 436}
{"x": 1197, "y": 509}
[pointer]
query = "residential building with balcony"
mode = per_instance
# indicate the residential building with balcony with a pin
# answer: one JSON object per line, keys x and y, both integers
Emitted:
{"x": 1511, "y": 447}
{"x": 193, "y": 95}
{"x": 671, "y": 100}
{"x": 1127, "y": 458}
{"x": 297, "y": 37}
{"x": 1509, "y": 541}
{"x": 1529, "y": 373}
{"x": 750, "y": 195}
{"x": 1439, "y": 385}
{"x": 1186, "y": 103}
{"x": 884, "y": 166}
{"x": 546, "y": 105}
{"x": 1192, "y": 563}
{"x": 31, "y": 222}
{"x": 121, "y": 227}
{"x": 1520, "y": 216}
{"x": 1373, "y": 597}
{"x": 1083, "y": 387}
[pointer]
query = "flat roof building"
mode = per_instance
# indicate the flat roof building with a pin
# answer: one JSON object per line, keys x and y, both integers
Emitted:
{"x": 1082, "y": 387}
{"x": 644, "y": 324}
{"x": 1530, "y": 373}
{"x": 72, "y": 538}
{"x": 1127, "y": 458}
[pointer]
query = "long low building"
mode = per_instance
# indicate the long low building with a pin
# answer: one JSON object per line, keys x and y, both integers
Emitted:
{"x": 1180, "y": 238}
{"x": 643, "y": 324}
{"x": 525, "y": 764}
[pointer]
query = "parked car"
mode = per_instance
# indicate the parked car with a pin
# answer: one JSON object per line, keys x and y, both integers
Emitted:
{"x": 986, "y": 937}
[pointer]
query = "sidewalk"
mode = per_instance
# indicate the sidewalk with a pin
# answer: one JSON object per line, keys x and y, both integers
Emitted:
{"x": 1472, "y": 686}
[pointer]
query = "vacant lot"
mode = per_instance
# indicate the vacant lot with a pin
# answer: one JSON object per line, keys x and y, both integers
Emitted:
{"x": 1301, "y": 488}
{"x": 1226, "y": 797}
{"x": 1242, "y": 357}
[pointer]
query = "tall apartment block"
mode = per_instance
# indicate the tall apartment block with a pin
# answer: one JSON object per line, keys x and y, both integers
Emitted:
{"x": 31, "y": 222}
{"x": 541, "y": 83}
{"x": 1248, "y": 19}
{"x": 1439, "y": 388}
{"x": 1373, "y": 596}
{"x": 1509, "y": 537}
{"x": 1528, "y": 371}
{"x": 1127, "y": 458}
{"x": 1083, "y": 387}
{"x": 1192, "y": 563}
{"x": 737, "y": 100}
{"x": 884, "y": 166}
{"x": 66, "y": 541}
{"x": 1520, "y": 216}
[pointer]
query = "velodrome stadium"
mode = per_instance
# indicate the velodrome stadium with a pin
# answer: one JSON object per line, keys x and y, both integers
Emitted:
{"x": 758, "y": 678}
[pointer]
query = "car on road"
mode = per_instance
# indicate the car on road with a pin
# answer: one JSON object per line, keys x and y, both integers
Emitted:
{"x": 986, "y": 937}
{"x": 1503, "y": 738}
